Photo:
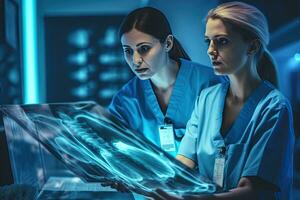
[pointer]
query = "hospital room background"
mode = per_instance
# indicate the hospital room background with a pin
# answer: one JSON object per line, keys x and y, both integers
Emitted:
{"x": 67, "y": 51}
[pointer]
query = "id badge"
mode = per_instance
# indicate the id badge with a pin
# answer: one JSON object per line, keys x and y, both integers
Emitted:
{"x": 218, "y": 177}
{"x": 166, "y": 136}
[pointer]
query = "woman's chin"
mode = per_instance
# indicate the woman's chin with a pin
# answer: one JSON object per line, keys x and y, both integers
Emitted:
{"x": 219, "y": 71}
{"x": 143, "y": 76}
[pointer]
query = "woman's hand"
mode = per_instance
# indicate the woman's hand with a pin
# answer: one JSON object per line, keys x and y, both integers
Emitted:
{"x": 248, "y": 188}
{"x": 120, "y": 187}
{"x": 160, "y": 194}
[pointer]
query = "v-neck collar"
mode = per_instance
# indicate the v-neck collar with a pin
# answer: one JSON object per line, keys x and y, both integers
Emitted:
{"x": 233, "y": 134}
{"x": 176, "y": 95}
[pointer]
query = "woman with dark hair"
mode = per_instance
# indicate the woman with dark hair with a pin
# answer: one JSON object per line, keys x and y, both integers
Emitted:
{"x": 159, "y": 100}
{"x": 240, "y": 134}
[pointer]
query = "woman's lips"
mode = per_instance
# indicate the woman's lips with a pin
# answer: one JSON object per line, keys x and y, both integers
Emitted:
{"x": 140, "y": 71}
{"x": 216, "y": 63}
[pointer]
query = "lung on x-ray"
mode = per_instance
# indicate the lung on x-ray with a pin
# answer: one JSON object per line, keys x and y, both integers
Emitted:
{"x": 97, "y": 147}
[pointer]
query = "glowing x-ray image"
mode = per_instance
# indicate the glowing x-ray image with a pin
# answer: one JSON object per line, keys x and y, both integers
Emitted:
{"x": 97, "y": 147}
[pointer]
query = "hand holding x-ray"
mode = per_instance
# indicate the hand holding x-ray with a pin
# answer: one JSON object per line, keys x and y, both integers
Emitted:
{"x": 99, "y": 148}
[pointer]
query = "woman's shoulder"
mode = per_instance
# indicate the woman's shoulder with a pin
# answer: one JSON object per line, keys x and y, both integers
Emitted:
{"x": 273, "y": 103}
{"x": 274, "y": 110}
{"x": 130, "y": 89}
{"x": 275, "y": 97}
{"x": 212, "y": 93}
{"x": 196, "y": 66}
{"x": 217, "y": 88}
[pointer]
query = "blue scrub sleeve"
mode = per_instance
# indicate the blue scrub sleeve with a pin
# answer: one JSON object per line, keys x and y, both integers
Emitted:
{"x": 271, "y": 157}
{"x": 188, "y": 145}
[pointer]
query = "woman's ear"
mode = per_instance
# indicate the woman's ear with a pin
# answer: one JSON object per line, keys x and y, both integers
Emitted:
{"x": 169, "y": 43}
{"x": 254, "y": 47}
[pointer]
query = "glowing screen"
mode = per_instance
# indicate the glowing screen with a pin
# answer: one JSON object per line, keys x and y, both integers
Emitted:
{"x": 97, "y": 147}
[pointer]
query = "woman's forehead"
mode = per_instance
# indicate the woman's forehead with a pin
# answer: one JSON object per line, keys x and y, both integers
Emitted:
{"x": 216, "y": 27}
{"x": 135, "y": 36}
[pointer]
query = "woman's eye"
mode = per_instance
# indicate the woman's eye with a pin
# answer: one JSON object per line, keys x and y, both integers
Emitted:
{"x": 128, "y": 51}
{"x": 223, "y": 41}
{"x": 207, "y": 41}
{"x": 144, "y": 49}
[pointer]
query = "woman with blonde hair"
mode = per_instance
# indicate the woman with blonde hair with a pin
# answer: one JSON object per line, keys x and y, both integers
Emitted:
{"x": 240, "y": 134}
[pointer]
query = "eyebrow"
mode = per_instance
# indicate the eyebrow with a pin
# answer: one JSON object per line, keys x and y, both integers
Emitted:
{"x": 139, "y": 44}
{"x": 216, "y": 36}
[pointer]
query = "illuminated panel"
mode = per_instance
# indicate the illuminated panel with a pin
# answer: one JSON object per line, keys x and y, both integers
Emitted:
{"x": 29, "y": 52}
{"x": 97, "y": 147}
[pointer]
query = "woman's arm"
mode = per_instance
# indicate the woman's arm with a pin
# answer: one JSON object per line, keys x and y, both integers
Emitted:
{"x": 249, "y": 188}
{"x": 186, "y": 161}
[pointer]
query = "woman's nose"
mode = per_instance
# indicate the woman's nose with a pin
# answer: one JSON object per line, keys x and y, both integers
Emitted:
{"x": 212, "y": 50}
{"x": 137, "y": 59}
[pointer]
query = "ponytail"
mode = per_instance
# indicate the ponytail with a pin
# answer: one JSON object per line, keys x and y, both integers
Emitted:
{"x": 177, "y": 51}
{"x": 266, "y": 68}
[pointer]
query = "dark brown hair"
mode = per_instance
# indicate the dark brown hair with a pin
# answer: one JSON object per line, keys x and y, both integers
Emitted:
{"x": 153, "y": 22}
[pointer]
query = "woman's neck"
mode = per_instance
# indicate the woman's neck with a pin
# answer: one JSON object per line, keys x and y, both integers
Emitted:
{"x": 243, "y": 83}
{"x": 166, "y": 77}
{"x": 163, "y": 83}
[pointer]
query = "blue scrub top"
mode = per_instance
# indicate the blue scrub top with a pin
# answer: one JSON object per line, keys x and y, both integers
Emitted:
{"x": 137, "y": 106}
{"x": 259, "y": 143}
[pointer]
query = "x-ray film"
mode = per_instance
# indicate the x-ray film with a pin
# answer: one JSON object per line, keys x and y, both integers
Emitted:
{"x": 97, "y": 147}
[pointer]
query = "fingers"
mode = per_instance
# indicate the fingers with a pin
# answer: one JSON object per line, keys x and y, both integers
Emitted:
{"x": 111, "y": 184}
{"x": 120, "y": 187}
{"x": 166, "y": 196}
{"x": 159, "y": 194}
{"x": 156, "y": 196}
{"x": 106, "y": 184}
